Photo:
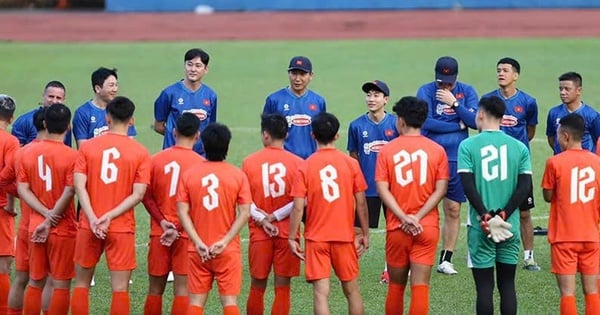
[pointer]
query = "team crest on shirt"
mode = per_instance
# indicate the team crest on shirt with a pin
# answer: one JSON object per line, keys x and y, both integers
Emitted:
{"x": 365, "y": 134}
{"x": 509, "y": 121}
{"x": 374, "y": 146}
{"x": 93, "y": 119}
{"x": 200, "y": 113}
{"x": 180, "y": 101}
{"x": 286, "y": 107}
{"x": 444, "y": 109}
{"x": 299, "y": 120}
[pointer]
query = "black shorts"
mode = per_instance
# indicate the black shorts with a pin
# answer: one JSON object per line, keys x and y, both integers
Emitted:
{"x": 528, "y": 203}
{"x": 374, "y": 206}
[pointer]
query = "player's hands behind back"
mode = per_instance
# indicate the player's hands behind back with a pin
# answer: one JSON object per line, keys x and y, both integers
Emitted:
{"x": 411, "y": 225}
{"x": 499, "y": 229}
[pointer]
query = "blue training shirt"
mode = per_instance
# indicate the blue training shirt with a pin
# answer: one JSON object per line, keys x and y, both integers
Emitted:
{"x": 443, "y": 122}
{"x": 177, "y": 99}
{"x": 521, "y": 112}
{"x": 89, "y": 122}
{"x": 592, "y": 125}
{"x": 299, "y": 112}
{"x": 25, "y": 131}
{"x": 366, "y": 138}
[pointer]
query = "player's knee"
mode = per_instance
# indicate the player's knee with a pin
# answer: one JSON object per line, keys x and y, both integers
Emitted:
{"x": 525, "y": 215}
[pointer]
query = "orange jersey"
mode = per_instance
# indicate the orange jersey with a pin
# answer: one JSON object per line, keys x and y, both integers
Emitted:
{"x": 47, "y": 167}
{"x": 270, "y": 172}
{"x": 411, "y": 165}
{"x": 329, "y": 179}
{"x": 112, "y": 164}
{"x": 212, "y": 189}
{"x": 8, "y": 145}
{"x": 574, "y": 178}
{"x": 167, "y": 166}
{"x": 8, "y": 176}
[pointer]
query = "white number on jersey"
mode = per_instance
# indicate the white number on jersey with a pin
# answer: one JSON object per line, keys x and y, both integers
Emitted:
{"x": 494, "y": 162}
{"x": 44, "y": 172}
{"x": 403, "y": 159}
{"x": 210, "y": 201}
{"x": 331, "y": 189}
{"x": 579, "y": 179}
{"x": 109, "y": 171}
{"x": 174, "y": 169}
{"x": 277, "y": 187}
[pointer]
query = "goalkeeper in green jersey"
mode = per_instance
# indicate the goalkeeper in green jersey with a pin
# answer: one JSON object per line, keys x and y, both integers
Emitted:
{"x": 495, "y": 170}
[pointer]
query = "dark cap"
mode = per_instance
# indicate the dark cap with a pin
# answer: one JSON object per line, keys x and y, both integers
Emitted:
{"x": 377, "y": 86}
{"x": 300, "y": 63}
{"x": 446, "y": 70}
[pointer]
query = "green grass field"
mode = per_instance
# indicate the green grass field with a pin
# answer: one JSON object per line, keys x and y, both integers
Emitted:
{"x": 243, "y": 73}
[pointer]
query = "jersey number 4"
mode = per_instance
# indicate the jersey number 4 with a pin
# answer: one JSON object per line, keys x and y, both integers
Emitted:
{"x": 44, "y": 173}
{"x": 579, "y": 179}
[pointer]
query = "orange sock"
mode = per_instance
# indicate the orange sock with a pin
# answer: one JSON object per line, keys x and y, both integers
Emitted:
{"x": 32, "y": 302}
{"x": 81, "y": 301}
{"x": 195, "y": 310}
{"x": 592, "y": 304}
{"x": 256, "y": 301}
{"x": 419, "y": 299}
{"x": 4, "y": 289}
{"x": 59, "y": 304}
{"x": 153, "y": 305}
{"x": 14, "y": 311}
{"x": 120, "y": 303}
{"x": 395, "y": 298}
{"x": 568, "y": 305}
{"x": 281, "y": 304}
{"x": 180, "y": 305}
{"x": 231, "y": 310}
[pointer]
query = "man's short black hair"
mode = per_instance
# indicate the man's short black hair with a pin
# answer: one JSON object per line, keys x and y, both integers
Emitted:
{"x": 493, "y": 105}
{"x": 412, "y": 110}
{"x": 120, "y": 109}
{"x": 187, "y": 125}
{"x": 57, "y": 118}
{"x": 324, "y": 127}
{"x": 510, "y": 61}
{"x": 574, "y": 125}
{"x": 275, "y": 125}
{"x": 215, "y": 138}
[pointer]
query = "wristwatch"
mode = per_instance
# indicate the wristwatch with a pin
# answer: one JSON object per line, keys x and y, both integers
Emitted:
{"x": 454, "y": 104}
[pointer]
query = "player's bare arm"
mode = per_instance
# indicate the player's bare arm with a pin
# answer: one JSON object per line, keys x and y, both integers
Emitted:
{"x": 383, "y": 189}
{"x": 159, "y": 127}
{"x": 183, "y": 211}
{"x": 131, "y": 201}
{"x": 80, "y": 142}
{"x": 551, "y": 140}
{"x": 548, "y": 194}
{"x": 354, "y": 155}
{"x": 80, "y": 182}
{"x": 295, "y": 219}
{"x": 31, "y": 200}
{"x": 531, "y": 132}
{"x": 362, "y": 212}
{"x": 243, "y": 213}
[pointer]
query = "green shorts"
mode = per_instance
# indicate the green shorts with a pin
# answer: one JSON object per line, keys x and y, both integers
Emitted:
{"x": 484, "y": 253}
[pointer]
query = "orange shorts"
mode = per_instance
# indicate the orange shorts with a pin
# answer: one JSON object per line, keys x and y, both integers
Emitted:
{"x": 119, "y": 248}
{"x": 568, "y": 258}
{"x": 55, "y": 257}
{"x": 22, "y": 250}
{"x": 225, "y": 268}
{"x": 7, "y": 234}
{"x": 401, "y": 248}
{"x": 272, "y": 252}
{"x": 321, "y": 256}
{"x": 162, "y": 259}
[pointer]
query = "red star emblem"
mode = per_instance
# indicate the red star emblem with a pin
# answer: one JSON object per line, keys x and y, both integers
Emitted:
{"x": 206, "y": 102}
{"x": 312, "y": 107}
{"x": 389, "y": 133}
{"x": 518, "y": 109}
{"x": 446, "y": 70}
{"x": 299, "y": 62}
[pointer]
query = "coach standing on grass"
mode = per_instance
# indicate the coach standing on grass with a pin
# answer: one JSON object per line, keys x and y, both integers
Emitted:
{"x": 452, "y": 106}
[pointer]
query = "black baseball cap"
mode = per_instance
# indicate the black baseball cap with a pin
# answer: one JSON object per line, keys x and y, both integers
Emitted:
{"x": 376, "y": 85}
{"x": 446, "y": 70}
{"x": 300, "y": 63}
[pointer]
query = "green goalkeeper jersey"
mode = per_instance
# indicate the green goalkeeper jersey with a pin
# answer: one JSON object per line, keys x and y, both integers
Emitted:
{"x": 496, "y": 160}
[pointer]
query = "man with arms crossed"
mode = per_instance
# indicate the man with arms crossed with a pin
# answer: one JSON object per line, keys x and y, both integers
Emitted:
{"x": 45, "y": 183}
{"x": 110, "y": 178}
{"x": 334, "y": 189}
{"x": 271, "y": 172}
{"x": 168, "y": 241}
{"x": 495, "y": 171}
{"x": 189, "y": 95}
{"x": 412, "y": 178}
{"x": 213, "y": 203}
{"x": 299, "y": 105}
{"x": 571, "y": 184}
{"x": 519, "y": 121}
{"x": 8, "y": 145}
{"x": 452, "y": 106}
{"x": 366, "y": 135}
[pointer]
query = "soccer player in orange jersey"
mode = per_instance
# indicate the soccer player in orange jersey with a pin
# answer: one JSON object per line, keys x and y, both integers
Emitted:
{"x": 8, "y": 145}
{"x": 168, "y": 241}
{"x": 45, "y": 183}
{"x": 411, "y": 165}
{"x": 334, "y": 187}
{"x": 270, "y": 172}
{"x": 110, "y": 178}
{"x": 206, "y": 204}
{"x": 8, "y": 178}
{"x": 571, "y": 183}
